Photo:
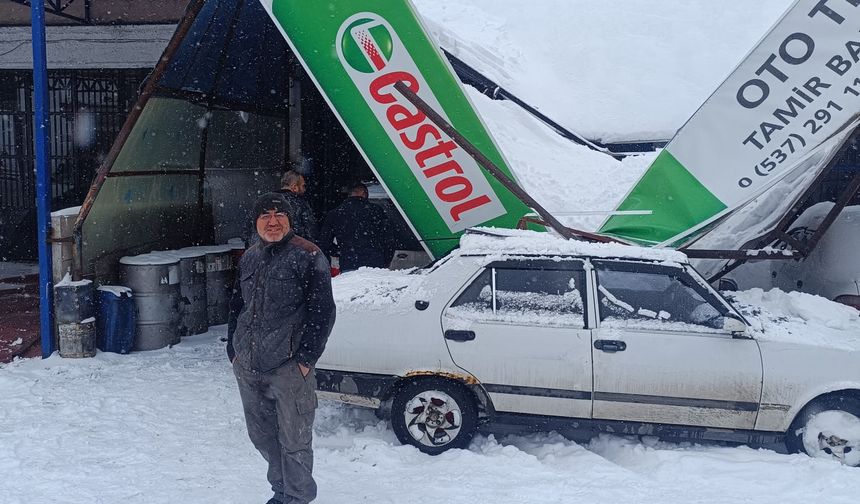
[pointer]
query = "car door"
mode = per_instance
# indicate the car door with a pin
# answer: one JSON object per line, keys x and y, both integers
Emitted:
{"x": 661, "y": 356}
{"x": 520, "y": 327}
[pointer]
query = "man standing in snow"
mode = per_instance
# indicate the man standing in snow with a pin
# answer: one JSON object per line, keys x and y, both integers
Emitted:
{"x": 362, "y": 231}
{"x": 281, "y": 315}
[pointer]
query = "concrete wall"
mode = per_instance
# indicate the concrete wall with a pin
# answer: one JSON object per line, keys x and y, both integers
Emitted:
{"x": 101, "y": 12}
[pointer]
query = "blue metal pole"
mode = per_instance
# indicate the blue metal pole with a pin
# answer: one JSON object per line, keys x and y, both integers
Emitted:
{"x": 42, "y": 134}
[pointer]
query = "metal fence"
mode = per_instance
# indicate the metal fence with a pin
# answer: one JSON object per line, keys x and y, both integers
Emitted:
{"x": 87, "y": 109}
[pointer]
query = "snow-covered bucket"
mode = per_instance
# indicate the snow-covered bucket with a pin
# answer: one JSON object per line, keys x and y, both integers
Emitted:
{"x": 192, "y": 291}
{"x": 154, "y": 280}
{"x": 77, "y": 339}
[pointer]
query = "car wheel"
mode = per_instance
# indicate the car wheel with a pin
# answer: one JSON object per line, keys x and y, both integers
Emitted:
{"x": 828, "y": 428}
{"x": 434, "y": 415}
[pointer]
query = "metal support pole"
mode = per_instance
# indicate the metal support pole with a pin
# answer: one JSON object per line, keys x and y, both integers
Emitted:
{"x": 41, "y": 134}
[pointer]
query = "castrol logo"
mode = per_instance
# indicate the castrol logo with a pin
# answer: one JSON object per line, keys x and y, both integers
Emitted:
{"x": 376, "y": 59}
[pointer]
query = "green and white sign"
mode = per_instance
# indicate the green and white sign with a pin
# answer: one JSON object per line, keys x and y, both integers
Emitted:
{"x": 798, "y": 88}
{"x": 355, "y": 51}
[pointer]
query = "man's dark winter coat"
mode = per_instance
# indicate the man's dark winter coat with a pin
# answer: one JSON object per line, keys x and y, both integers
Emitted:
{"x": 282, "y": 306}
{"x": 302, "y": 218}
{"x": 363, "y": 234}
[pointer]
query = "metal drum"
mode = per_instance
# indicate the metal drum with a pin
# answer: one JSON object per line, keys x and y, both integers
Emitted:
{"x": 192, "y": 290}
{"x": 77, "y": 339}
{"x": 219, "y": 270}
{"x": 154, "y": 279}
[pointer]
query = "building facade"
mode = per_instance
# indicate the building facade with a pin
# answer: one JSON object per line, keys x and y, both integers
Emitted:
{"x": 99, "y": 53}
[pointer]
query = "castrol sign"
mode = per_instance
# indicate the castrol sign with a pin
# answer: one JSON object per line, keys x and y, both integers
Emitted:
{"x": 375, "y": 59}
{"x": 355, "y": 52}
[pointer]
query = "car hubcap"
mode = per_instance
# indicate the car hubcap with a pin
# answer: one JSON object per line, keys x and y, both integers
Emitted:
{"x": 433, "y": 418}
{"x": 834, "y": 434}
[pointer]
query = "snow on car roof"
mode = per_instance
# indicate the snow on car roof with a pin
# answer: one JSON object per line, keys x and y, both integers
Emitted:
{"x": 497, "y": 241}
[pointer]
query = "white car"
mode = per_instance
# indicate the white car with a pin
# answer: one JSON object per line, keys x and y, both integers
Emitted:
{"x": 519, "y": 328}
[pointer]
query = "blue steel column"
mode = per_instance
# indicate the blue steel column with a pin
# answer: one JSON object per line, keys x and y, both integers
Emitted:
{"x": 42, "y": 133}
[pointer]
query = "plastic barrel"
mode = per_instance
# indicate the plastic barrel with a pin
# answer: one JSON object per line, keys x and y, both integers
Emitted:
{"x": 115, "y": 319}
{"x": 193, "y": 311}
{"x": 77, "y": 339}
{"x": 154, "y": 279}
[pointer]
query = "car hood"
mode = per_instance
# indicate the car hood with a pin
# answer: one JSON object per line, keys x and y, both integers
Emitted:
{"x": 378, "y": 289}
{"x": 799, "y": 319}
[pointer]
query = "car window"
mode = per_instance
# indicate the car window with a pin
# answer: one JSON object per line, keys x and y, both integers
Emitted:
{"x": 539, "y": 297}
{"x": 478, "y": 296}
{"x": 651, "y": 300}
{"x": 524, "y": 297}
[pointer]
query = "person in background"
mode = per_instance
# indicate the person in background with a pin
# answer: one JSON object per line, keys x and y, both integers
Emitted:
{"x": 362, "y": 231}
{"x": 281, "y": 314}
{"x": 293, "y": 188}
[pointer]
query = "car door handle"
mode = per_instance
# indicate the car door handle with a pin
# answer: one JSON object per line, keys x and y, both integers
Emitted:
{"x": 610, "y": 346}
{"x": 453, "y": 335}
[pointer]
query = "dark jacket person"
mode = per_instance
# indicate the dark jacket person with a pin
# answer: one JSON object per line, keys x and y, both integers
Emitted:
{"x": 303, "y": 221}
{"x": 362, "y": 230}
{"x": 281, "y": 315}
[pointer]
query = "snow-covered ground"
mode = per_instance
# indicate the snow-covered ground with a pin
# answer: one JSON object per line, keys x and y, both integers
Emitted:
{"x": 166, "y": 427}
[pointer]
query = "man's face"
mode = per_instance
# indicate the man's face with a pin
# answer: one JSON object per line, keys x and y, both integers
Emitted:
{"x": 298, "y": 186}
{"x": 272, "y": 226}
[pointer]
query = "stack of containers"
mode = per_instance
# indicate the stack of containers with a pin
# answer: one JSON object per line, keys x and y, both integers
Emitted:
{"x": 154, "y": 279}
{"x": 74, "y": 314}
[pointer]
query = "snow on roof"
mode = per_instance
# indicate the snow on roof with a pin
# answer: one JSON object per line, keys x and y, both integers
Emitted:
{"x": 497, "y": 241}
{"x": 103, "y": 46}
{"x": 612, "y": 71}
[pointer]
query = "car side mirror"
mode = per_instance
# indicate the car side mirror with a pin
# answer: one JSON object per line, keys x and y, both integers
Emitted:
{"x": 733, "y": 325}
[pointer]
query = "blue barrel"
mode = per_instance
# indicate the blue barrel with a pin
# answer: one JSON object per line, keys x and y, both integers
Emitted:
{"x": 115, "y": 319}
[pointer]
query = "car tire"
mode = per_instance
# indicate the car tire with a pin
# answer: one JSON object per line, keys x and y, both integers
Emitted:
{"x": 434, "y": 415}
{"x": 829, "y": 427}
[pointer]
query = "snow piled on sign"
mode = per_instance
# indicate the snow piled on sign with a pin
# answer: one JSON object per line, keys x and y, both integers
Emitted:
{"x": 564, "y": 177}
{"x": 612, "y": 71}
{"x": 797, "y": 317}
{"x": 166, "y": 426}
